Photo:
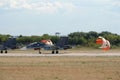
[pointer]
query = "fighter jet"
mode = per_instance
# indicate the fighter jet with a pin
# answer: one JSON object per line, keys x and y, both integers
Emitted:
{"x": 9, "y": 44}
{"x": 48, "y": 45}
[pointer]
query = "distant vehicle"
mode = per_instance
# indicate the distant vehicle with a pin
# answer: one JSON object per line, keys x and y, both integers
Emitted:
{"x": 48, "y": 45}
{"x": 9, "y": 44}
{"x": 105, "y": 44}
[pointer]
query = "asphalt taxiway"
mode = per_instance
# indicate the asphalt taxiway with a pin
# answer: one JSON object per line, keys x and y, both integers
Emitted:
{"x": 65, "y": 54}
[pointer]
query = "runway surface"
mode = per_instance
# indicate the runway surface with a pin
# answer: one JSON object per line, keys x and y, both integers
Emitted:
{"x": 53, "y": 55}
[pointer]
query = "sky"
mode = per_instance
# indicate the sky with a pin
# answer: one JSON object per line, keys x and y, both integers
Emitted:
{"x": 37, "y": 17}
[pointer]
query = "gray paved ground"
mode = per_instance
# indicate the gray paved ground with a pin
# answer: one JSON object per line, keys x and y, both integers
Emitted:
{"x": 68, "y": 54}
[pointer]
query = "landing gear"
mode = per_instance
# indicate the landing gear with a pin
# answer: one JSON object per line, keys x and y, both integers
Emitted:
{"x": 39, "y": 51}
{"x": 6, "y": 51}
{"x": 55, "y": 51}
{"x": 2, "y": 51}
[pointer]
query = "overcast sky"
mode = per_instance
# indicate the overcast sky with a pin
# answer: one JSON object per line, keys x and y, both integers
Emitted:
{"x": 37, "y": 17}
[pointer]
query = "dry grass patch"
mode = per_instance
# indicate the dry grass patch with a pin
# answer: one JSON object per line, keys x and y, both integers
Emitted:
{"x": 59, "y": 68}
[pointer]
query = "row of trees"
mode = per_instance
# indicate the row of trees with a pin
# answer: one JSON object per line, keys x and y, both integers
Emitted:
{"x": 86, "y": 39}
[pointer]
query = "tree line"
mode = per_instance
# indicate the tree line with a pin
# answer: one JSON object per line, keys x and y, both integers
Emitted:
{"x": 82, "y": 39}
{"x": 88, "y": 39}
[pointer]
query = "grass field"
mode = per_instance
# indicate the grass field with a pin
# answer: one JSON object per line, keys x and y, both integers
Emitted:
{"x": 59, "y": 68}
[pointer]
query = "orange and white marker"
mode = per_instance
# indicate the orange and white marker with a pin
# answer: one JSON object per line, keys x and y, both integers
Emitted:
{"x": 105, "y": 43}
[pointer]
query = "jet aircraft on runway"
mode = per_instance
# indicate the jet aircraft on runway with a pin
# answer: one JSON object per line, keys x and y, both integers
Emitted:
{"x": 48, "y": 45}
{"x": 9, "y": 44}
